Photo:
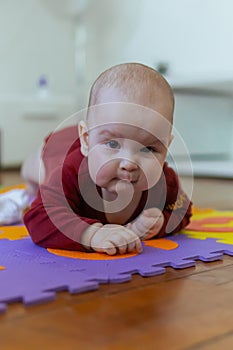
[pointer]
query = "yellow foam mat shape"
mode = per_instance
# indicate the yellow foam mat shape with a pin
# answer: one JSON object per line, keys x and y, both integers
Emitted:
{"x": 219, "y": 227}
{"x": 12, "y": 187}
{"x": 13, "y": 232}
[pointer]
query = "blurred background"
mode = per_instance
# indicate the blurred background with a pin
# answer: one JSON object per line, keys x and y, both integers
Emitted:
{"x": 51, "y": 51}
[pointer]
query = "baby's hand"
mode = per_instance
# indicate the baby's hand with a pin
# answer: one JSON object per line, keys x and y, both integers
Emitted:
{"x": 112, "y": 239}
{"x": 148, "y": 224}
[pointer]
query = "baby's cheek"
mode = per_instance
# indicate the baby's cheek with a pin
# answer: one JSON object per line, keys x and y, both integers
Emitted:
{"x": 150, "y": 179}
{"x": 92, "y": 169}
{"x": 100, "y": 169}
{"x": 151, "y": 170}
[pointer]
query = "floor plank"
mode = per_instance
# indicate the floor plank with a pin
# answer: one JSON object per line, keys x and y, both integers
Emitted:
{"x": 173, "y": 314}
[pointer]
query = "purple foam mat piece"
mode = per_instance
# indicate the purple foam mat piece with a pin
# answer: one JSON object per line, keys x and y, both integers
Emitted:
{"x": 153, "y": 260}
{"x": 33, "y": 275}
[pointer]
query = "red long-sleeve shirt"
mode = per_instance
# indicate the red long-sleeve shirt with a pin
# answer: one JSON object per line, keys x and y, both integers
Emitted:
{"x": 69, "y": 201}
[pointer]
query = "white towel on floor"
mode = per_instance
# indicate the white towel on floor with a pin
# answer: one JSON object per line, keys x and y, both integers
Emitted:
{"x": 12, "y": 205}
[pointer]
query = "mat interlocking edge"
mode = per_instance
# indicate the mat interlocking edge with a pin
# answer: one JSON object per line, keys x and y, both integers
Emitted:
{"x": 31, "y": 275}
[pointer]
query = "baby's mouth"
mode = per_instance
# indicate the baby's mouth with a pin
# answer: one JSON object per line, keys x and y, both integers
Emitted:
{"x": 128, "y": 179}
{"x": 123, "y": 184}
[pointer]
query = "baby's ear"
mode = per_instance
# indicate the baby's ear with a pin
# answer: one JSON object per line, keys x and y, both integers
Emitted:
{"x": 83, "y": 135}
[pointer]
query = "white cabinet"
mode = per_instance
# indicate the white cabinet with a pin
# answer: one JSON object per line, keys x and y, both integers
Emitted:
{"x": 25, "y": 121}
{"x": 205, "y": 124}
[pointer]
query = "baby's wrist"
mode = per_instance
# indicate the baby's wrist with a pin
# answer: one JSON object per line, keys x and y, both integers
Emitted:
{"x": 156, "y": 229}
{"x": 89, "y": 233}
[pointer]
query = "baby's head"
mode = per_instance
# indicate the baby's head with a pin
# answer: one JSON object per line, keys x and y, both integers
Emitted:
{"x": 128, "y": 127}
{"x": 134, "y": 83}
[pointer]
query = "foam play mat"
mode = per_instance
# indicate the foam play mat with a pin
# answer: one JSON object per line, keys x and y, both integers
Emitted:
{"x": 31, "y": 274}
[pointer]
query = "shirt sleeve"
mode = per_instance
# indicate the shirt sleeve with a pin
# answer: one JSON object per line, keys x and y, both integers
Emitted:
{"x": 53, "y": 221}
{"x": 178, "y": 207}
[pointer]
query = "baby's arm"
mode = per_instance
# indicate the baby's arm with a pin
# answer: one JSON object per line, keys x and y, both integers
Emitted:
{"x": 173, "y": 218}
{"x": 154, "y": 222}
{"x": 55, "y": 223}
{"x": 111, "y": 239}
{"x": 53, "y": 220}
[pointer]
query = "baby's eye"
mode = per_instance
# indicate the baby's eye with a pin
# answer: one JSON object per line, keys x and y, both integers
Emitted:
{"x": 113, "y": 144}
{"x": 148, "y": 149}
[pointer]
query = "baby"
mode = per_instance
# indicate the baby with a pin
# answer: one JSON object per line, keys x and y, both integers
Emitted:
{"x": 113, "y": 188}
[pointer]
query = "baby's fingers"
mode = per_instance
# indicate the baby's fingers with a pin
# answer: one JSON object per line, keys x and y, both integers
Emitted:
{"x": 120, "y": 243}
{"x": 106, "y": 247}
{"x": 109, "y": 248}
{"x": 135, "y": 245}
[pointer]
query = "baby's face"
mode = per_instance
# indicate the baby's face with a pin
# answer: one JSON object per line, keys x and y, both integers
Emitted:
{"x": 128, "y": 151}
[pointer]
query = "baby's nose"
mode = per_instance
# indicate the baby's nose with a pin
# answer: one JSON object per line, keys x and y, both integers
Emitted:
{"x": 127, "y": 164}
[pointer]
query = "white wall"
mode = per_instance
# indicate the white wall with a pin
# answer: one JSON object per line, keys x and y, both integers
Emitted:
{"x": 40, "y": 36}
{"x": 110, "y": 28}
{"x": 35, "y": 40}
{"x": 194, "y": 37}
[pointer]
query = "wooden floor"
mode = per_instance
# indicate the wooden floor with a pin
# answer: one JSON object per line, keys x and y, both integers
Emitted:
{"x": 182, "y": 309}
